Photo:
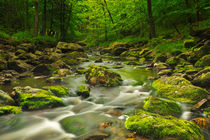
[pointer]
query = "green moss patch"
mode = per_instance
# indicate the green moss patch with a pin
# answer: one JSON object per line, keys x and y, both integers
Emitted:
{"x": 158, "y": 127}
{"x": 59, "y": 91}
{"x": 100, "y": 75}
{"x": 4, "y": 110}
{"x": 179, "y": 89}
{"x": 33, "y": 99}
{"x": 162, "y": 106}
{"x": 84, "y": 91}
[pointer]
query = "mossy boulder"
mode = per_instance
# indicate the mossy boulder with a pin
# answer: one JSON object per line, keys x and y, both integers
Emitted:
{"x": 18, "y": 65}
{"x": 32, "y": 99}
{"x": 172, "y": 61}
{"x": 84, "y": 91}
{"x": 202, "y": 80}
{"x": 206, "y": 110}
{"x": 5, "y": 99}
{"x": 204, "y": 61}
{"x": 162, "y": 106}
{"x": 160, "y": 58}
{"x": 74, "y": 58}
{"x": 3, "y": 64}
{"x": 118, "y": 48}
{"x": 44, "y": 69}
{"x": 59, "y": 91}
{"x": 179, "y": 89}
{"x": 160, "y": 127}
{"x": 69, "y": 47}
{"x": 4, "y": 110}
{"x": 100, "y": 75}
{"x": 189, "y": 43}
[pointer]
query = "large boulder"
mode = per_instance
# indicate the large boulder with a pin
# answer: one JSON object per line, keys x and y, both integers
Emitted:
{"x": 162, "y": 127}
{"x": 204, "y": 61}
{"x": 100, "y": 75}
{"x": 44, "y": 69}
{"x": 32, "y": 98}
{"x": 26, "y": 47}
{"x": 180, "y": 89}
{"x": 202, "y": 78}
{"x": 74, "y": 58}
{"x": 162, "y": 106}
{"x": 5, "y": 99}
{"x": 118, "y": 48}
{"x": 69, "y": 47}
{"x": 18, "y": 65}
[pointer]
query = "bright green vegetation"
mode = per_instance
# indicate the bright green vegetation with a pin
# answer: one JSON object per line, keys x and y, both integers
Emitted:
{"x": 84, "y": 91}
{"x": 100, "y": 75}
{"x": 33, "y": 99}
{"x": 162, "y": 106}
{"x": 179, "y": 89}
{"x": 207, "y": 111}
{"x": 101, "y": 22}
{"x": 59, "y": 91}
{"x": 4, "y": 110}
{"x": 157, "y": 126}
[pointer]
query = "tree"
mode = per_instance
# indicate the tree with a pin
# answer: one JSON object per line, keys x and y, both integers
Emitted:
{"x": 44, "y": 18}
{"x": 151, "y": 20}
{"x": 36, "y": 22}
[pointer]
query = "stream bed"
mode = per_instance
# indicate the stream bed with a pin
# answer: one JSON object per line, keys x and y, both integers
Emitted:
{"x": 105, "y": 105}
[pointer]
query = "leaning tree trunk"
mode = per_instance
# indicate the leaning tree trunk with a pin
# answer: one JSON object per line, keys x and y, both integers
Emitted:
{"x": 151, "y": 20}
{"x": 36, "y": 23}
{"x": 44, "y": 18}
{"x": 197, "y": 12}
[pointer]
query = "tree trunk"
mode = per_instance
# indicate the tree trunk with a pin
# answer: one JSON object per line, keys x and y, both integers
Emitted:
{"x": 7, "y": 13}
{"x": 62, "y": 19}
{"x": 105, "y": 29}
{"x": 44, "y": 18}
{"x": 189, "y": 18}
{"x": 36, "y": 23}
{"x": 67, "y": 23}
{"x": 110, "y": 15}
{"x": 197, "y": 12}
{"x": 151, "y": 20}
{"x": 27, "y": 16}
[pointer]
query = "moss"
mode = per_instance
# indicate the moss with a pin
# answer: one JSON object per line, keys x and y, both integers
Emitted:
{"x": 160, "y": 58}
{"x": 172, "y": 61}
{"x": 132, "y": 63}
{"x": 33, "y": 99}
{"x": 204, "y": 61}
{"x": 207, "y": 111}
{"x": 157, "y": 126}
{"x": 81, "y": 70}
{"x": 179, "y": 89}
{"x": 162, "y": 106}
{"x": 100, "y": 75}
{"x": 202, "y": 80}
{"x": 59, "y": 91}
{"x": 189, "y": 43}
{"x": 4, "y": 110}
{"x": 142, "y": 60}
{"x": 84, "y": 91}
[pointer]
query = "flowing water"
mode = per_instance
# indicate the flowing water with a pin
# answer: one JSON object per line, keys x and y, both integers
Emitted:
{"x": 104, "y": 105}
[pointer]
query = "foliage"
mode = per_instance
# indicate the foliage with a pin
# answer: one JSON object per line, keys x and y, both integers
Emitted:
{"x": 4, "y": 110}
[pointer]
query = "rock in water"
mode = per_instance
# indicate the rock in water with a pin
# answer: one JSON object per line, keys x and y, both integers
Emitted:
{"x": 180, "y": 89}
{"x": 32, "y": 98}
{"x": 102, "y": 76}
{"x": 160, "y": 127}
{"x": 162, "y": 106}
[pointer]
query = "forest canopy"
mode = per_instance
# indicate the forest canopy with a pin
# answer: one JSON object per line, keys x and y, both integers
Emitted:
{"x": 96, "y": 22}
